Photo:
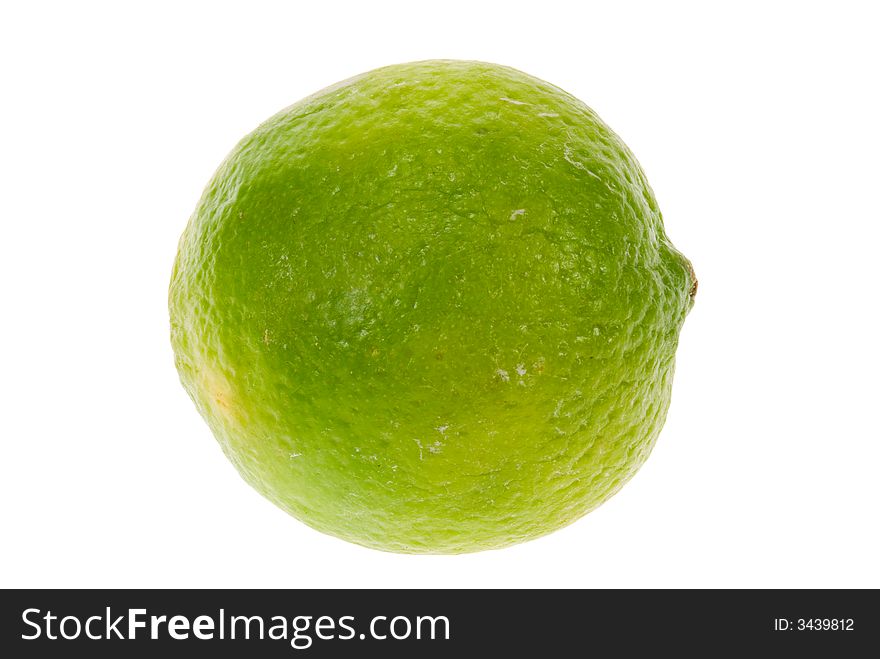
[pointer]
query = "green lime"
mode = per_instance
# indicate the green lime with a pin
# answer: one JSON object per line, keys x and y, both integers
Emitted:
{"x": 431, "y": 309}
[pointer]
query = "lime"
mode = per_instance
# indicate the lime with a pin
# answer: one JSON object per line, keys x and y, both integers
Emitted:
{"x": 431, "y": 309}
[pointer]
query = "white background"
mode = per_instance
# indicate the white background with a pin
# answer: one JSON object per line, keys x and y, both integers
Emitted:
{"x": 758, "y": 128}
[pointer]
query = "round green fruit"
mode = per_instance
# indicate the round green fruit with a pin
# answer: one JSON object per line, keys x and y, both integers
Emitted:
{"x": 431, "y": 309}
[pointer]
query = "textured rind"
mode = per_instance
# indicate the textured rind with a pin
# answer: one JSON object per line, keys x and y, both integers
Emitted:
{"x": 431, "y": 309}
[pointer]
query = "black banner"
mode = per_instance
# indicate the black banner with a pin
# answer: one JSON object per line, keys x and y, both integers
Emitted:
{"x": 436, "y": 623}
